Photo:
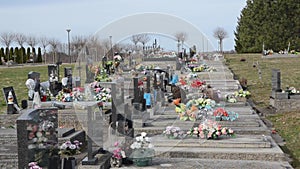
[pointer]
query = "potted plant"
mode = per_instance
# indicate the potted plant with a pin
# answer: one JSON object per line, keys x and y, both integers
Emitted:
{"x": 143, "y": 151}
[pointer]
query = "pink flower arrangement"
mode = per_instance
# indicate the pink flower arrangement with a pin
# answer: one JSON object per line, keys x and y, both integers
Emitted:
{"x": 33, "y": 165}
{"x": 118, "y": 153}
{"x": 210, "y": 130}
{"x": 68, "y": 148}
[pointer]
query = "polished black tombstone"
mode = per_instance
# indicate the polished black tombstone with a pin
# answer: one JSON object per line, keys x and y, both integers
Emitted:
{"x": 12, "y": 108}
{"x": 68, "y": 74}
{"x": 38, "y": 138}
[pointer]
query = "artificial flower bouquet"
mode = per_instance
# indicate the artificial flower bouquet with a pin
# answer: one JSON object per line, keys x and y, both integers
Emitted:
{"x": 69, "y": 149}
{"x": 231, "y": 98}
{"x": 64, "y": 95}
{"x": 117, "y": 156}
{"x": 100, "y": 93}
{"x": 201, "y": 103}
{"x": 221, "y": 114}
{"x": 197, "y": 83}
{"x": 78, "y": 94}
{"x": 34, "y": 165}
{"x": 184, "y": 113}
{"x": 210, "y": 130}
{"x": 174, "y": 132}
{"x": 242, "y": 93}
{"x": 118, "y": 153}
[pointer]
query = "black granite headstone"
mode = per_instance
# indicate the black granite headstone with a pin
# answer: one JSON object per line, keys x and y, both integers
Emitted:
{"x": 52, "y": 70}
{"x": 6, "y": 90}
{"x": 37, "y": 137}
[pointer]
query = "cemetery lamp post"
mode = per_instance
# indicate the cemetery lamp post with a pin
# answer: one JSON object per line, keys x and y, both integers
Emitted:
{"x": 69, "y": 30}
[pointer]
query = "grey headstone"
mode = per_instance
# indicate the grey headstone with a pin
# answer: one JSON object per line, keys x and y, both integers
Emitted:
{"x": 276, "y": 81}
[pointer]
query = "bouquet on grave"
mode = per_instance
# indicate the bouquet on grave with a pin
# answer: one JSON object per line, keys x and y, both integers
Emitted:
{"x": 210, "y": 130}
{"x": 242, "y": 93}
{"x": 174, "y": 132}
{"x": 221, "y": 114}
{"x": 100, "y": 93}
{"x": 69, "y": 149}
{"x": 184, "y": 113}
{"x": 142, "y": 147}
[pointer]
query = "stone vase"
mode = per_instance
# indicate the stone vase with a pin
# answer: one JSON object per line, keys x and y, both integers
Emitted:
{"x": 142, "y": 162}
{"x": 69, "y": 163}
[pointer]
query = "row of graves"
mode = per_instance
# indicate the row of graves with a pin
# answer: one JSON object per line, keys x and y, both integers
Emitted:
{"x": 207, "y": 123}
{"x": 152, "y": 114}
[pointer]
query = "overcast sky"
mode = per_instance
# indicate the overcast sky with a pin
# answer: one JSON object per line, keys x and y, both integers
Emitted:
{"x": 51, "y": 18}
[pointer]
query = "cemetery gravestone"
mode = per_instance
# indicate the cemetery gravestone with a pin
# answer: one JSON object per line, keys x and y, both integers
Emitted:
{"x": 11, "y": 100}
{"x": 95, "y": 133}
{"x": 276, "y": 82}
{"x": 68, "y": 75}
{"x": 38, "y": 138}
{"x": 55, "y": 86}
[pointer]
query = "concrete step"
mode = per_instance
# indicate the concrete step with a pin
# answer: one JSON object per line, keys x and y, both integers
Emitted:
{"x": 198, "y": 163}
{"x": 272, "y": 153}
{"x": 240, "y": 141}
{"x": 221, "y": 153}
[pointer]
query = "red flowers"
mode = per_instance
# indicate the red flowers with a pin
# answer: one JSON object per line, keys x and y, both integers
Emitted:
{"x": 197, "y": 83}
{"x": 220, "y": 112}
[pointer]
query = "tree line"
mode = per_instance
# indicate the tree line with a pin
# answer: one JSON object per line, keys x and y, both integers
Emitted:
{"x": 268, "y": 24}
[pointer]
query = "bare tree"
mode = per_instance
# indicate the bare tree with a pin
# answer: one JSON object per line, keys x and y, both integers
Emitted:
{"x": 21, "y": 39}
{"x": 220, "y": 34}
{"x": 181, "y": 38}
{"x": 95, "y": 46}
{"x": 44, "y": 42}
{"x": 135, "y": 39}
{"x": 7, "y": 38}
{"x": 78, "y": 43}
{"x": 54, "y": 44}
{"x": 144, "y": 38}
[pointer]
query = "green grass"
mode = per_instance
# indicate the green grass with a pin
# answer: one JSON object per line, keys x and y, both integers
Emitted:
{"x": 17, "y": 76}
{"x": 287, "y": 124}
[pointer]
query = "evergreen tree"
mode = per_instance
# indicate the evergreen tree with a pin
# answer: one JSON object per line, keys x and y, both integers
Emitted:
{"x": 11, "y": 53}
{"x": 33, "y": 55}
{"x": 28, "y": 53}
{"x": 17, "y": 56}
{"x": 22, "y": 54}
{"x": 7, "y": 54}
{"x": 1, "y": 55}
{"x": 273, "y": 23}
{"x": 39, "y": 55}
